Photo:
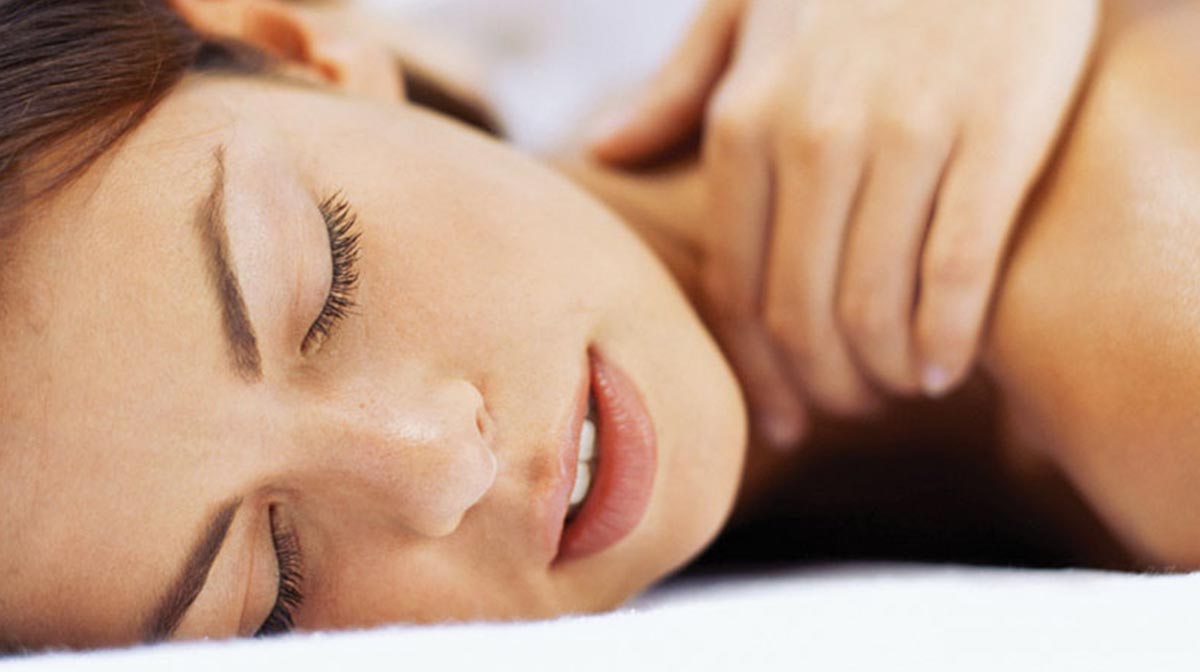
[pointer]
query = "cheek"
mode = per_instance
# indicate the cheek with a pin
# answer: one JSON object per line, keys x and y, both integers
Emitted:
{"x": 380, "y": 581}
{"x": 699, "y": 420}
{"x": 489, "y": 265}
{"x": 499, "y": 266}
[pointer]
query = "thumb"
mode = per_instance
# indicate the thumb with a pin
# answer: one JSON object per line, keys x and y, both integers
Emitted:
{"x": 672, "y": 107}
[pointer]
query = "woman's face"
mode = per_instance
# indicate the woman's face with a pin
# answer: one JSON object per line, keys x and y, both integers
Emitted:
{"x": 179, "y": 387}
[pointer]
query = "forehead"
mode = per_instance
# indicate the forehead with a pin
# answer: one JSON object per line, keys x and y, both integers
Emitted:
{"x": 107, "y": 279}
{"x": 105, "y": 287}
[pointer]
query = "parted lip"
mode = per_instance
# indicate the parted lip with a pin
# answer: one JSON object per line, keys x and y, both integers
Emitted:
{"x": 626, "y": 464}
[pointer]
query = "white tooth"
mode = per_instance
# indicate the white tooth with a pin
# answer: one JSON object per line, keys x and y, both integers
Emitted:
{"x": 583, "y": 483}
{"x": 587, "y": 441}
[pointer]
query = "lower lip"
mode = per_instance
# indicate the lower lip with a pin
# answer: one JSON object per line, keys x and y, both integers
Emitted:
{"x": 626, "y": 464}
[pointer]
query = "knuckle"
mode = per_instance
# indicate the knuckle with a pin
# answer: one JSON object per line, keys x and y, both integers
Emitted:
{"x": 787, "y": 330}
{"x": 954, "y": 268}
{"x": 782, "y": 325}
{"x": 820, "y": 138}
{"x": 732, "y": 128}
{"x": 801, "y": 356}
{"x": 910, "y": 129}
{"x": 867, "y": 316}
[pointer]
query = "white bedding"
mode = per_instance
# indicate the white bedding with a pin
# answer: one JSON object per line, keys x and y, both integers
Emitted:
{"x": 547, "y": 65}
{"x": 841, "y": 618}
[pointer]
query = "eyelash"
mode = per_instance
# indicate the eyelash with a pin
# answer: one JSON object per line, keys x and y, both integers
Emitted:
{"x": 288, "y": 597}
{"x": 342, "y": 225}
{"x": 341, "y": 222}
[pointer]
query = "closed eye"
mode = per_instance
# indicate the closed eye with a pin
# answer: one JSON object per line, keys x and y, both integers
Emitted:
{"x": 288, "y": 597}
{"x": 342, "y": 224}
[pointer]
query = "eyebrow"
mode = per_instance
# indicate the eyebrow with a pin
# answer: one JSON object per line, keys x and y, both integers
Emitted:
{"x": 190, "y": 581}
{"x": 235, "y": 318}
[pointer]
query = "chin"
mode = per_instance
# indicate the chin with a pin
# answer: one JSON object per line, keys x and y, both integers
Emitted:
{"x": 700, "y": 418}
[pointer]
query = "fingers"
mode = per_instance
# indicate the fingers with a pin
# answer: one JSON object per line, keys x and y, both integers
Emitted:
{"x": 878, "y": 283}
{"x": 674, "y": 104}
{"x": 985, "y": 186}
{"x": 738, "y": 178}
{"x": 961, "y": 262}
{"x": 817, "y": 177}
{"x": 777, "y": 415}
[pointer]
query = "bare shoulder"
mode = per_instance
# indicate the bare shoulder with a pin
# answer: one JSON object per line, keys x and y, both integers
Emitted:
{"x": 1096, "y": 339}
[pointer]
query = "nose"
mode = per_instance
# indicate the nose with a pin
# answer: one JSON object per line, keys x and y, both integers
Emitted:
{"x": 414, "y": 453}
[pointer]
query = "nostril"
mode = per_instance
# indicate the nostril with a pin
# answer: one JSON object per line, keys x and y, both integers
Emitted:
{"x": 487, "y": 431}
{"x": 485, "y": 425}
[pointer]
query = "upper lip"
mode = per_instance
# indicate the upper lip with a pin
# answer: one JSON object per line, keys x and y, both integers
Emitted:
{"x": 623, "y": 482}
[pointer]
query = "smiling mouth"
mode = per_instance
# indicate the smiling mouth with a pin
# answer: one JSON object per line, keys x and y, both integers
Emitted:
{"x": 613, "y": 468}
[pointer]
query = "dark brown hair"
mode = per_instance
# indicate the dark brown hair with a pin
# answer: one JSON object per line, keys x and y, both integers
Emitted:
{"x": 76, "y": 76}
{"x": 85, "y": 73}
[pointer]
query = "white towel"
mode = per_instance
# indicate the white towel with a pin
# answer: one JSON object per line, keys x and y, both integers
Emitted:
{"x": 869, "y": 618}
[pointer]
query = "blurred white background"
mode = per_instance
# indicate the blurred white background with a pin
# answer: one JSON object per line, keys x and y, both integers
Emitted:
{"x": 547, "y": 65}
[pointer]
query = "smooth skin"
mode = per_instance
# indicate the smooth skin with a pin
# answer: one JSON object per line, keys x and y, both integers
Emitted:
{"x": 485, "y": 279}
{"x": 863, "y": 181}
{"x": 415, "y": 453}
{"x": 1093, "y": 347}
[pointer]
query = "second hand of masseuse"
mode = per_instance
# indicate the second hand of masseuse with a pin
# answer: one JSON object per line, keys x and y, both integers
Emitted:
{"x": 866, "y": 162}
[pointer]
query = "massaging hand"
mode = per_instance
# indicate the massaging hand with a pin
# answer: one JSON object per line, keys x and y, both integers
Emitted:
{"x": 866, "y": 161}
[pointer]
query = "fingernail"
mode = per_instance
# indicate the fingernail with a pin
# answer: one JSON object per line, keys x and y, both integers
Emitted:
{"x": 779, "y": 431}
{"x": 936, "y": 380}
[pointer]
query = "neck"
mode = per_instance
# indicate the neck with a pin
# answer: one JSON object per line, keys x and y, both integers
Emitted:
{"x": 663, "y": 206}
